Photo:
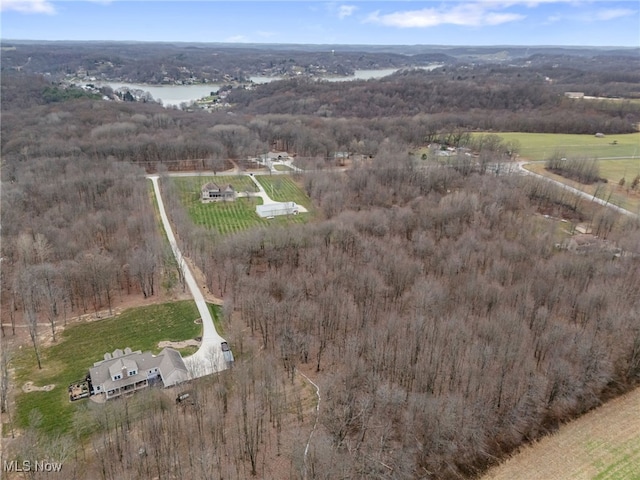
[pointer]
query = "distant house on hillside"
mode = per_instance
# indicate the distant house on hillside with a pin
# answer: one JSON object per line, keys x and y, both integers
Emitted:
{"x": 211, "y": 192}
{"x": 274, "y": 156}
{"x": 126, "y": 371}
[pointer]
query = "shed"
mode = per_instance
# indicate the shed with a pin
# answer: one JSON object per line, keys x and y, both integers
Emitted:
{"x": 277, "y": 208}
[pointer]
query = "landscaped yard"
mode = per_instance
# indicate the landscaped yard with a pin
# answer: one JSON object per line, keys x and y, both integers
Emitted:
{"x": 81, "y": 345}
{"x": 232, "y": 217}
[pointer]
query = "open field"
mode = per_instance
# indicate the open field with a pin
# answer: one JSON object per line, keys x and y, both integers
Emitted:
{"x": 282, "y": 188}
{"x": 539, "y": 146}
{"x": 611, "y": 191}
{"x": 603, "y": 444}
{"x": 79, "y": 346}
{"x": 231, "y": 217}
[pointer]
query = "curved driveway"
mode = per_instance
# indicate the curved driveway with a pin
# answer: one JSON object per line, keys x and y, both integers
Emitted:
{"x": 209, "y": 357}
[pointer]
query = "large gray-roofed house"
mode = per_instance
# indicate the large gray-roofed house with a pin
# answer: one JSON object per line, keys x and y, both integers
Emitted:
{"x": 121, "y": 372}
{"x": 211, "y": 192}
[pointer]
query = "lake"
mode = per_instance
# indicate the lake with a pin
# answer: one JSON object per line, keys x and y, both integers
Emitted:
{"x": 175, "y": 95}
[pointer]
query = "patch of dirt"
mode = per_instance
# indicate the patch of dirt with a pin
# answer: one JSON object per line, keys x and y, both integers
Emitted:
{"x": 185, "y": 343}
{"x": 603, "y": 443}
{"x": 30, "y": 387}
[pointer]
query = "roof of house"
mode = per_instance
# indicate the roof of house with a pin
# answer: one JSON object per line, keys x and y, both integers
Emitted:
{"x": 214, "y": 186}
{"x": 274, "y": 156}
{"x": 169, "y": 363}
{"x": 172, "y": 367}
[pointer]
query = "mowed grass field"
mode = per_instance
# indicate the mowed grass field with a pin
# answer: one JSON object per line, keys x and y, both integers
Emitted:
{"x": 602, "y": 445}
{"x": 540, "y": 146}
{"x": 282, "y": 188}
{"x": 618, "y": 161}
{"x": 80, "y": 345}
{"x": 232, "y": 217}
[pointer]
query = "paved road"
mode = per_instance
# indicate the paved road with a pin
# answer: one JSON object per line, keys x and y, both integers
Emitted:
{"x": 209, "y": 357}
{"x": 588, "y": 196}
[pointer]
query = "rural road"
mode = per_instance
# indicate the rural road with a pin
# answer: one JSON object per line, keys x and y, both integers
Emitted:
{"x": 209, "y": 357}
{"x": 588, "y": 196}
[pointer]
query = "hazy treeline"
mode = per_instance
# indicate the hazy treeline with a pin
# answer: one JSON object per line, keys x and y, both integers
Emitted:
{"x": 150, "y": 135}
{"x": 446, "y": 326}
{"x": 506, "y": 99}
{"x": 140, "y": 62}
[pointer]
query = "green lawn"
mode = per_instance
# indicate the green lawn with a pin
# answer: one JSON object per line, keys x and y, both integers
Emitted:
{"x": 282, "y": 168}
{"x": 540, "y": 146}
{"x": 232, "y": 217}
{"x": 282, "y": 188}
{"x": 81, "y": 345}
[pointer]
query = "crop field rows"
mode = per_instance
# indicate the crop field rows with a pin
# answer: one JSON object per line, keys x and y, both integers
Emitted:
{"x": 282, "y": 188}
{"x": 604, "y": 444}
{"x": 231, "y": 217}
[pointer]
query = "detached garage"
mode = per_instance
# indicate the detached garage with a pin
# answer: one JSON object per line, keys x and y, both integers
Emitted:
{"x": 277, "y": 208}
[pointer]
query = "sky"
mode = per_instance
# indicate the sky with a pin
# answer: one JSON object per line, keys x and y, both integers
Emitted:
{"x": 444, "y": 22}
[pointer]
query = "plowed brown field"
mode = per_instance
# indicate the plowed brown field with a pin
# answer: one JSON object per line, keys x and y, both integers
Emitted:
{"x": 603, "y": 444}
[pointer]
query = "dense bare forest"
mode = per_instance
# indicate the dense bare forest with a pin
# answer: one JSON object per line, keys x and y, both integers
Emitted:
{"x": 436, "y": 306}
{"x": 447, "y": 328}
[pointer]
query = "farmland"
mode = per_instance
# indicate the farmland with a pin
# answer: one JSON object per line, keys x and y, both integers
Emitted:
{"x": 232, "y": 217}
{"x": 539, "y": 146}
{"x": 603, "y": 445}
{"x": 282, "y": 188}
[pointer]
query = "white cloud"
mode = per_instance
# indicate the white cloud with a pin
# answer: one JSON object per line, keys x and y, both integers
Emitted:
{"x": 28, "y": 6}
{"x": 346, "y": 11}
{"x": 463, "y": 14}
{"x": 613, "y": 13}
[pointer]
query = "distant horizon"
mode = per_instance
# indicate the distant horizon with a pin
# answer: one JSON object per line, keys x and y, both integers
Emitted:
{"x": 267, "y": 44}
{"x": 557, "y": 23}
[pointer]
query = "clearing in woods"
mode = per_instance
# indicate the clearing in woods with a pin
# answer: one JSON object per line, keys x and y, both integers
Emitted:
{"x": 604, "y": 444}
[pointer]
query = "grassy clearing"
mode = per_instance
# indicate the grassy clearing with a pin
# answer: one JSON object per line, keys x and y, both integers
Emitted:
{"x": 232, "y": 217}
{"x": 540, "y": 146}
{"x": 81, "y": 345}
{"x": 282, "y": 188}
{"x": 282, "y": 168}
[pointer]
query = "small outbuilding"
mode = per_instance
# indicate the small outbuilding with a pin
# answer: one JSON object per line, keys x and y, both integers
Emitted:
{"x": 277, "y": 208}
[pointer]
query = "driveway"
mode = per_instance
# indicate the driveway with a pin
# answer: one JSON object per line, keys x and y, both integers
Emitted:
{"x": 209, "y": 357}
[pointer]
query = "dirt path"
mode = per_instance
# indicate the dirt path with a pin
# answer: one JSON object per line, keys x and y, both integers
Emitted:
{"x": 603, "y": 444}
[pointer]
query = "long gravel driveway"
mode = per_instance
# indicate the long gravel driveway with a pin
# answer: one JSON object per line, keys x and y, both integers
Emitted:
{"x": 209, "y": 357}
